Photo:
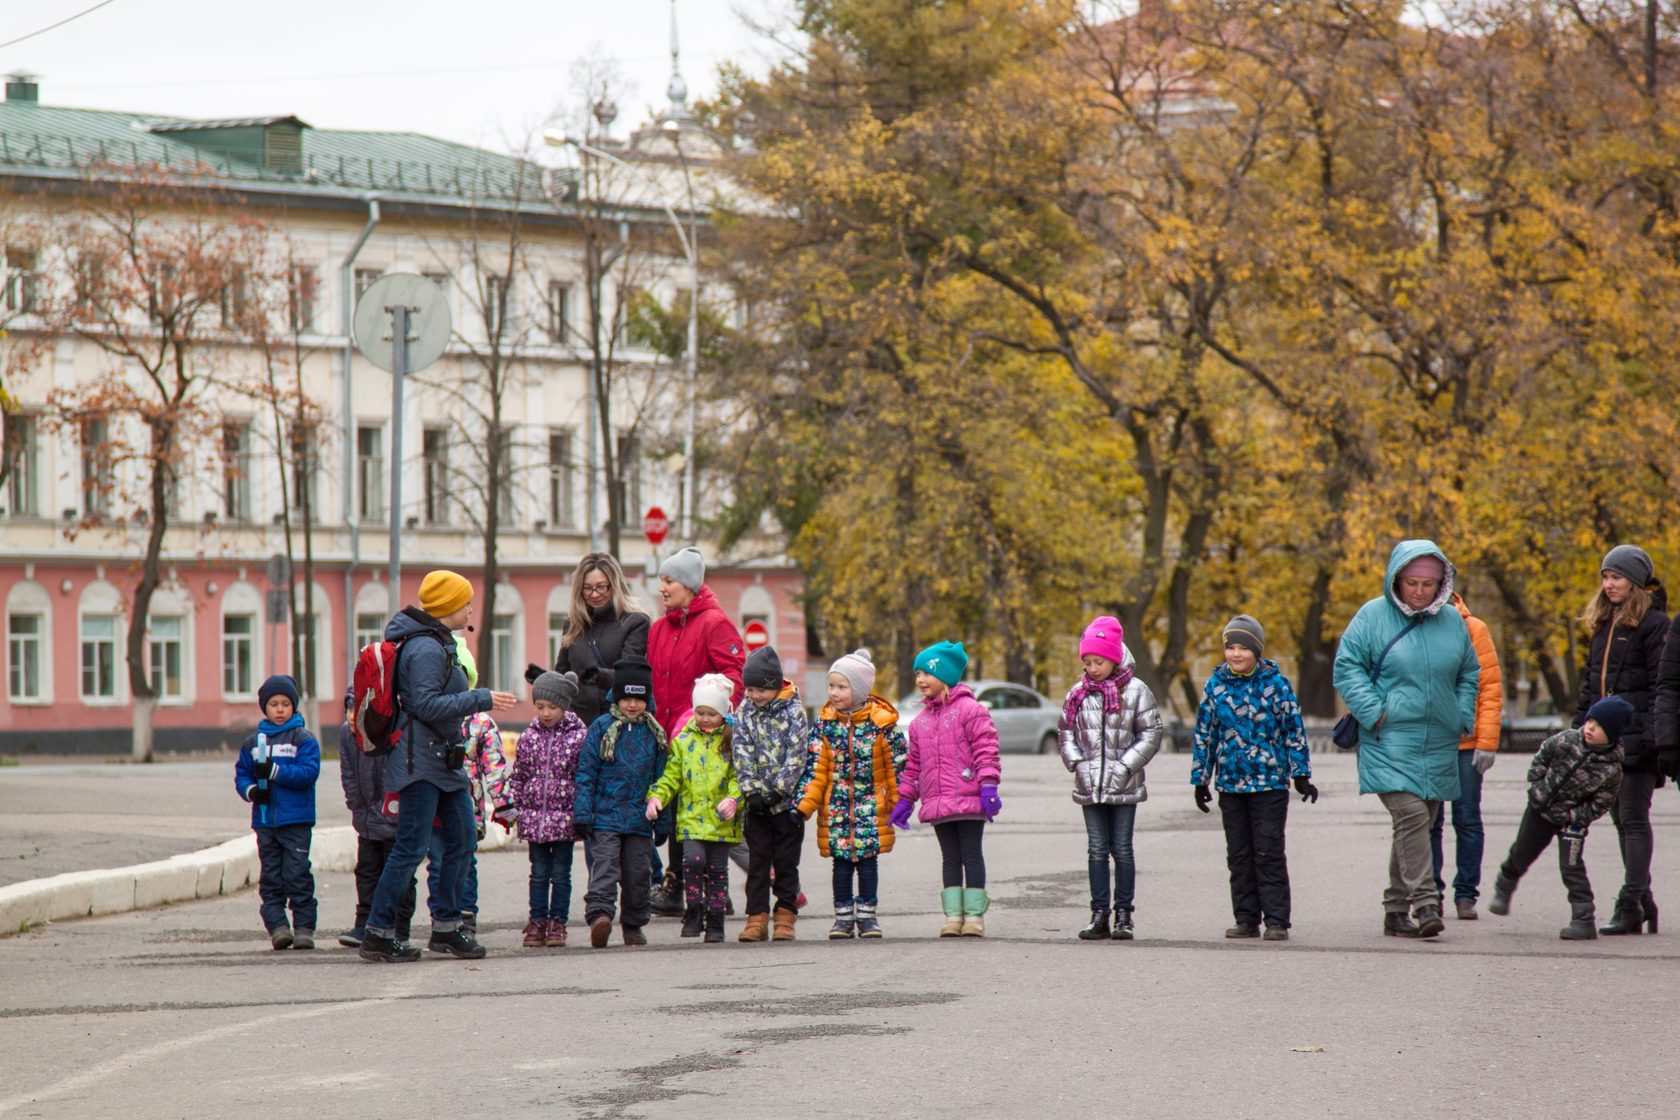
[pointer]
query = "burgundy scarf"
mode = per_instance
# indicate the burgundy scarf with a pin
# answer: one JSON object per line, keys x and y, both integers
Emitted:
{"x": 1082, "y": 688}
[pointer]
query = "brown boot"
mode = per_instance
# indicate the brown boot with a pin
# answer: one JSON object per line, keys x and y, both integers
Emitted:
{"x": 785, "y": 920}
{"x": 756, "y": 929}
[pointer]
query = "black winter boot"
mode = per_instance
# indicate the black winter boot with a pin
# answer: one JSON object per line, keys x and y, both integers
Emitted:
{"x": 1122, "y": 925}
{"x": 1649, "y": 905}
{"x": 1628, "y": 918}
{"x": 694, "y": 920}
{"x": 1399, "y": 924}
{"x": 714, "y": 926}
{"x": 666, "y": 899}
{"x": 1580, "y": 927}
{"x": 1502, "y": 890}
{"x": 1429, "y": 921}
{"x": 1098, "y": 929}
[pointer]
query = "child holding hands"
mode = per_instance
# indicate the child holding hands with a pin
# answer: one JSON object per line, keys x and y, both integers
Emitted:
{"x": 545, "y": 766}
{"x": 952, "y": 767}
{"x": 700, "y": 774}
{"x": 771, "y": 740}
{"x": 1572, "y": 782}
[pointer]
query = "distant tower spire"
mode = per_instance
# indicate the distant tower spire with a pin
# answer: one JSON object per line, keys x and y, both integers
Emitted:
{"x": 677, "y": 90}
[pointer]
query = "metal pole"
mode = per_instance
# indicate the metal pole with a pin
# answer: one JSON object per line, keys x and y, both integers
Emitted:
{"x": 691, "y": 500}
{"x": 399, "y": 368}
{"x": 347, "y": 404}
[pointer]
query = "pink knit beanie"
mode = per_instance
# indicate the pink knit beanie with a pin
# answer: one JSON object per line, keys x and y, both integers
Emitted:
{"x": 1424, "y": 567}
{"x": 1105, "y": 638}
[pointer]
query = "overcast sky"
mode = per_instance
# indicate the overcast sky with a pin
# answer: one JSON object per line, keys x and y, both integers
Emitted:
{"x": 478, "y": 71}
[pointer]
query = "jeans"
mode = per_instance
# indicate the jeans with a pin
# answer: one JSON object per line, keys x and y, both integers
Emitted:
{"x": 706, "y": 874}
{"x": 434, "y": 869}
{"x": 774, "y": 841}
{"x": 619, "y": 863}
{"x": 1468, "y": 837}
{"x": 286, "y": 876}
{"x": 551, "y": 880}
{"x": 868, "y": 883}
{"x": 1410, "y": 883}
{"x": 961, "y": 856}
{"x": 370, "y": 861}
{"x": 1533, "y": 835}
{"x": 1254, "y": 854}
{"x": 1632, "y": 814}
{"x": 1108, "y": 835}
{"x": 422, "y": 802}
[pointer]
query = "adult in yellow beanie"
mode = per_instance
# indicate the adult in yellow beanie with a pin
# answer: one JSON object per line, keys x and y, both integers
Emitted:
{"x": 427, "y": 769}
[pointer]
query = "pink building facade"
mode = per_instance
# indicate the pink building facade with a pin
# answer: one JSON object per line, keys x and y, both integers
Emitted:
{"x": 209, "y": 643}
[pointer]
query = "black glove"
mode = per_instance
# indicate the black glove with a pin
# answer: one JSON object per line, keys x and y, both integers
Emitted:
{"x": 1306, "y": 789}
{"x": 533, "y": 671}
{"x": 256, "y": 795}
{"x": 758, "y": 801}
{"x": 583, "y": 829}
{"x": 263, "y": 771}
{"x": 660, "y": 839}
{"x": 588, "y": 675}
{"x": 1203, "y": 796}
{"x": 1668, "y": 762}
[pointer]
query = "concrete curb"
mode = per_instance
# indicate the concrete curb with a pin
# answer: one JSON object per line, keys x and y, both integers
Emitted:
{"x": 224, "y": 869}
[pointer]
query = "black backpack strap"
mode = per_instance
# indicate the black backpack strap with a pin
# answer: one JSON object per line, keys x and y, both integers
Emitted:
{"x": 1404, "y": 630}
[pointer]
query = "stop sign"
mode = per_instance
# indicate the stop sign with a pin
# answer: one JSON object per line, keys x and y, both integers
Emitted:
{"x": 655, "y": 525}
{"x": 756, "y": 635}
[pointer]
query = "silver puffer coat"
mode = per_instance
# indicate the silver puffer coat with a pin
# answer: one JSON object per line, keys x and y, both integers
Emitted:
{"x": 1107, "y": 752}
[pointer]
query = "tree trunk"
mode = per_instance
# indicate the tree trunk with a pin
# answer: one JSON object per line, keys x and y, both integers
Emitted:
{"x": 1316, "y": 661}
{"x": 497, "y": 443}
{"x": 139, "y": 684}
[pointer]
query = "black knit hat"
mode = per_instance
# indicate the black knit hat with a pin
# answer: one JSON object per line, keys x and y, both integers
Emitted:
{"x": 277, "y": 685}
{"x": 632, "y": 680}
{"x": 763, "y": 669}
{"x": 1613, "y": 714}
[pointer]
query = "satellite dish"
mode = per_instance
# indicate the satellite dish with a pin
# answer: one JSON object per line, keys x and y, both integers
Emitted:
{"x": 428, "y": 320}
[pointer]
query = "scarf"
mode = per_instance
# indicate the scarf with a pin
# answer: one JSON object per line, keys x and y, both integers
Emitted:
{"x": 1110, "y": 689}
{"x": 609, "y": 738}
{"x": 291, "y": 724}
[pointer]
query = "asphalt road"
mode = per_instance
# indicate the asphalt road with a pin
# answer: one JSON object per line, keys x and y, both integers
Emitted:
{"x": 185, "y": 1012}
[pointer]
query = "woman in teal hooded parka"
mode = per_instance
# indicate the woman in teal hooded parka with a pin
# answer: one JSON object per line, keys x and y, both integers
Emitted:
{"x": 1407, "y": 672}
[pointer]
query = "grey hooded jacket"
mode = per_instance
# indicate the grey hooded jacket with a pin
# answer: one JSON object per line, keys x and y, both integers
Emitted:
{"x": 1107, "y": 751}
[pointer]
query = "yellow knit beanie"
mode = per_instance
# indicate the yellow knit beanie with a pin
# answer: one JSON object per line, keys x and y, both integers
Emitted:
{"x": 442, "y": 593}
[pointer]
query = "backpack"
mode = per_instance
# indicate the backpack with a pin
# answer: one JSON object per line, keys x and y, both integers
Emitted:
{"x": 375, "y": 722}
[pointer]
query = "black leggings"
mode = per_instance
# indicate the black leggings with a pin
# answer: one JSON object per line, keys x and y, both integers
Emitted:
{"x": 959, "y": 844}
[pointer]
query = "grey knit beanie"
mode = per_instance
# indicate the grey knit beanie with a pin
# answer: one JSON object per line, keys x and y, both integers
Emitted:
{"x": 1244, "y": 631}
{"x": 560, "y": 689}
{"x": 1631, "y": 561}
{"x": 686, "y": 567}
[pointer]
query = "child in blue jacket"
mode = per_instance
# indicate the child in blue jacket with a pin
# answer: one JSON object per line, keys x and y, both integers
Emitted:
{"x": 281, "y": 790}
{"x": 1250, "y": 743}
{"x": 623, "y": 755}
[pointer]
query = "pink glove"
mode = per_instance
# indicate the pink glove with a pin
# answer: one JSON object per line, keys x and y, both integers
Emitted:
{"x": 901, "y": 814}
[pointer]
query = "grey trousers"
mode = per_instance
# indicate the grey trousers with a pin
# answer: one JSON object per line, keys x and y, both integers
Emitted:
{"x": 1411, "y": 863}
{"x": 619, "y": 861}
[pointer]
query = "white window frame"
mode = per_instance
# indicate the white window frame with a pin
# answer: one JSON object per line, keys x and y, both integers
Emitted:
{"x": 16, "y": 646}
{"x": 254, "y": 667}
{"x": 156, "y": 645}
{"x": 87, "y": 644}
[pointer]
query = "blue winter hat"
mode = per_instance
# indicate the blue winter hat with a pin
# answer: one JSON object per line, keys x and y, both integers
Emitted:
{"x": 1613, "y": 714}
{"x": 277, "y": 685}
{"x": 945, "y": 660}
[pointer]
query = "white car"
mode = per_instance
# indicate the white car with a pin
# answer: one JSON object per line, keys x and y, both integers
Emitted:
{"x": 1025, "y": 718}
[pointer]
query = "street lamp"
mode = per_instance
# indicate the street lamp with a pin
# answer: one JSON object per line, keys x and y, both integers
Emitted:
{"x": 556, "y": 139}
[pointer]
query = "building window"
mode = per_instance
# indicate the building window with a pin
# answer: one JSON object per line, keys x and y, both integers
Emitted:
{"x": 495, "y": 305}
{"x": 370, "y": 628}
{"x": 23, "y": 455}
{"x": 235, "y": 299}
{"x": 557, "y": 625}
{"x": 441, "y": 279}
{"x": 559, "y": 310}
{"x": 304, "y": 286}
{"x": 96, "y": 468}
{"x": 23, "y": 655}
{"x": 22, "y": 281}
{"x": 99, "y": 657}
{"x": 239, "y": 649}
{"x": 630, "y": 475}
{"x": 507, "y": 509}
{"x": 370, "y": 473}
{"x": 501, "y": 653}
{"x": 560, "y": 479}
{"x": 306, "y": 466}
{"x": 167, "y": 652}
{"x": 364, "y": 280}
{"x": 236, "y": 471}
{"x": 434, "y": 454}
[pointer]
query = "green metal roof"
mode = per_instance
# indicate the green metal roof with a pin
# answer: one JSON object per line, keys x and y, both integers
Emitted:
{"x": 57, "y": 142}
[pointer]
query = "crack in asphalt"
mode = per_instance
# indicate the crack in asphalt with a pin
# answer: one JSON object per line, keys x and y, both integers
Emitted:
{"x": 208, "y": 1005}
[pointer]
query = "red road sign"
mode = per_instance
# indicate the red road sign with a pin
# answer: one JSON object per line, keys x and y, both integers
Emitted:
{"x": 756, "y": 635}
{"x": 655, "y": 525}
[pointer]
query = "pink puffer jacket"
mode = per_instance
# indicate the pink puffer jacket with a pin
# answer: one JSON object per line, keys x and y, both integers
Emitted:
{"x": 953, "y": 752}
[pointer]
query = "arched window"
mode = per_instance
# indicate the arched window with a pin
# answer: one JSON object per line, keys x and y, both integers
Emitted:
{"x": 318, "y": 631}
{"x": 559, "y": 614}
{"x": 100, "y": 635}
{"x": 507, "y": 641}
{"x": 169, "y": 646}
{"x": 373, "y": 611}
{"x": 29, "y": 644}
{"x": 241, "y": 640}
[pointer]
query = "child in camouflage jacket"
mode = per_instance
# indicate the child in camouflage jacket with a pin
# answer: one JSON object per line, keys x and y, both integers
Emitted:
{"x": 1571, "y": 783}
{"x": 772, "y": 741}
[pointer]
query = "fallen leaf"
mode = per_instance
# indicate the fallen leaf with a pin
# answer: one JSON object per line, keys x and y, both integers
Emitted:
{"x": 1306, "y": 1049}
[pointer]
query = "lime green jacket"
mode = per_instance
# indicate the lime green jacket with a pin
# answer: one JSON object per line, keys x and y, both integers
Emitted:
{"x": 699, "y": 774}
